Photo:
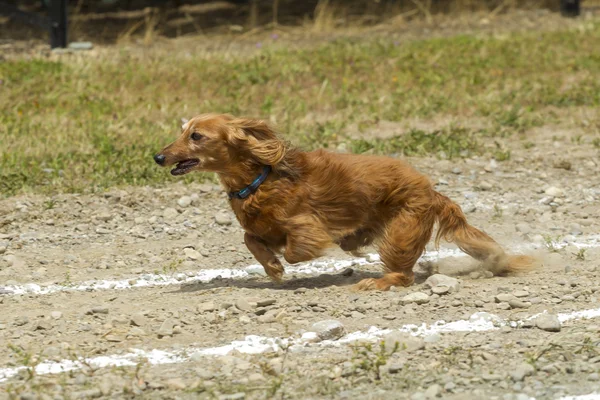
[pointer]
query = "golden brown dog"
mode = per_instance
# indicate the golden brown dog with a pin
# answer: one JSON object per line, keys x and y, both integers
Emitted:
{"x": 310, "y": 201}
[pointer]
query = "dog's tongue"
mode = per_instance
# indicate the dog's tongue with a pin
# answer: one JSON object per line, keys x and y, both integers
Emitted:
{"x": 183, "y": 166}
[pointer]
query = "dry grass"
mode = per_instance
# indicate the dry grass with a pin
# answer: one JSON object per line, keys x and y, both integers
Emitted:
{"x": 88, "y": 123}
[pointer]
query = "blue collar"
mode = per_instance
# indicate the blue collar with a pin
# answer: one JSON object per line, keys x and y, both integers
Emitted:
{"x": 248, "y": 190}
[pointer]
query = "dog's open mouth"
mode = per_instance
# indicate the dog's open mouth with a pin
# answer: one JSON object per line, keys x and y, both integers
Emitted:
{"x": 185, "y": 166}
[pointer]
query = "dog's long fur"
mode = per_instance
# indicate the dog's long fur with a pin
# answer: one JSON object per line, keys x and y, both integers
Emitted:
{"x": 313, "y": 200}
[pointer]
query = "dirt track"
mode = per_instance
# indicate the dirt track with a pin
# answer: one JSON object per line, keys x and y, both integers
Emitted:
{"x": 181, "y": 283}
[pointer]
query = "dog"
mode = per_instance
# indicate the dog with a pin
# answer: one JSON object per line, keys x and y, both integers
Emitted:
{"x": 299, "y": 204}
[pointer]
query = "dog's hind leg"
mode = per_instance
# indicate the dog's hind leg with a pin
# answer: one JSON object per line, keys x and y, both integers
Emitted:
{"x": 403, "y": 242}
{"x": 265, "y": 256}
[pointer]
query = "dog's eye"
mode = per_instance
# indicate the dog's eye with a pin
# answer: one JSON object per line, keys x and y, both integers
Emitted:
{"x": 196, "y": 136}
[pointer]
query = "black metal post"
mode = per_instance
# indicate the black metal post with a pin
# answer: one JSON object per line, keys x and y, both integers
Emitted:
{"x": 570, "y": 8}
{"x": 58, "y": 23}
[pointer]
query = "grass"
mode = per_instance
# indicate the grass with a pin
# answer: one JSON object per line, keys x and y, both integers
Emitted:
{"x": 87, "y": 124}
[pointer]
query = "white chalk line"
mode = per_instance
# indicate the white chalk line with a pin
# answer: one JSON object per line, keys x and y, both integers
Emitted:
{"x": 206, "y": 275}
{"x": 254, "y": 344}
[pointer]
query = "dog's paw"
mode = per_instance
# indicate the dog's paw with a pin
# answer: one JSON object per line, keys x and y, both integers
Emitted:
{"x": 370, "y": 284}
{"x": 275, "y": 272}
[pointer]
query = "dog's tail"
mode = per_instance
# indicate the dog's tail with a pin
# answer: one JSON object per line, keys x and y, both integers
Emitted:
{"x": 453, "y": 227}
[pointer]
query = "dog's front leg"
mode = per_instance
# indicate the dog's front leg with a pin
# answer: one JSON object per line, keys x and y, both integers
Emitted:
{"x": 265, "y": 256}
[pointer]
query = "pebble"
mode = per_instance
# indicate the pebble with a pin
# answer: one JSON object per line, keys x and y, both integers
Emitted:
{"x": 166, "y": 328}
{"x": 208, "y": 306}
{"x": 433, "y": 391}
{"x": 88, "y": 394}
{"x": 98, "y": 310}
{"x": 243, "y": 304}
{"x": 184, "y": 201}
{"x": 137, "y": 319}
{"x": 329, "y": 329}
{"x": 170, "y": 213}
{"x": 192, "y": 254}
{"x": 516, "y": 303}
{"x": 523, "y": 370}
{"x": 223, "y": 218}
{"x": 56, "y": 314}
{"x": 523, "y": 228}
{"x": 548, "y": 322}
{"x": 503, "y": 298}
{"x": 520, "y": 293}
{"x": 176, "y": 384}
{"x": 266, "y": 302}
{"x": 234, "y": 396}
{"x": 443, "y": 281}
{"x": 416, "y": 297}
{"x": 485, "y": 186}
{"x": 554, "y": 191}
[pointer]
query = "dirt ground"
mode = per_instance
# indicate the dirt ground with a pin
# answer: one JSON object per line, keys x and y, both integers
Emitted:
{"x": 163, "y": 245}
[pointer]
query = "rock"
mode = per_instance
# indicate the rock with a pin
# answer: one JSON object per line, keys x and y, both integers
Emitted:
{"x": 433, "y": 391}
{"x": 548, "y": 322}
{"x": 56, "y": 315}
{"x": 503, "y": 298}
{"x": 208, "y": 306}
{"x": 594, "y": 377}
{"x": 523, "y": 370}
{"x": 223, "y": 218}
{"x": 137, "y": 319}
{"x": 166, "y": 328}
{"x": 440, "y": 290}
{"x": 135, "y": 331}
{"x": 170, "y": 213}
{"x": 485, "y": 186}
{"x": 554, "y": 191}
{"x": 404, "y": 341}
{"x": 456, "y": 171}
{"x": 243, "y": 305}
{"x": 98, "y": 310}
{"x": 416, "y": 297}
{"x": 192, "y": 254}
{"x": 266, "y": 302}
{"x": 433, "y": 338}
{"x": 184, "y": 201}
{"x": 329, "y": 329}
{"x": 520, "y": 293}
{"x": 439, "y": 280}
{"x": 516, "y": 303}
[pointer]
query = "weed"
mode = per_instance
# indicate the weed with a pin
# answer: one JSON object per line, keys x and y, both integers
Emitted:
{"x": 580, "y": 255}
{"x": 551, "y": 244}
{"x": 596, "y": 143}
{"x": 370, "y": 360}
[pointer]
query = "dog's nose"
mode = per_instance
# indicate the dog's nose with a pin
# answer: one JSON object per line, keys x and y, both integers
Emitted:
{"x": 160, "y": 159}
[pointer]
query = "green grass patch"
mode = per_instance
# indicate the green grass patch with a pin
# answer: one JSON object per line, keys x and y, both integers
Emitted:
{"x": 89, "y": 124}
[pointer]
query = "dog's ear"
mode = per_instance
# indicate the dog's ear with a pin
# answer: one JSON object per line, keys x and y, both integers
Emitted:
{"x": 257, "y": 137}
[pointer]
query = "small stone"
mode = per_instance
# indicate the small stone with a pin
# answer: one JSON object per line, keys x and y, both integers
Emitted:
{"x": 433, "y": 391}
{"x": 166, "y": 328}
{"x": 548, "y": 322}
{"x": 234, "y": 396}
{"x": 438, "y": 280}
{"x": 170, "y": 213}
{"x": 554, "y": 191}
{"x": 485, "y": 186}
{"x": 433, "y": 338}
{"x": 503, "y": 306}
{"x": 520, "y": 293}
{"x": 456, "y": 171}
{"x": 88, "y": 394}
{"x": 98, "y": 310}
{"x": 516, "y": 303}
{"x": 521, "y": 372}
{"x": 137, "y": 319}
{"x": 440, "y": 290}
{"x": 184, "y": 201}
{"x": 192, "y": 254}
{"x": 243, "y": 305}
{"x": 595, "y": 377}
{"x": 56, "y": 314}
{"x": 135, "y": 331}
{"x": 503, "y": 298}
{"x": 329, "y": 329}
{"x": 416, "y": 297}
{"x": 223, "y": 218}
{"x": 266, "y": 302}
{"x": 208, "y": 306}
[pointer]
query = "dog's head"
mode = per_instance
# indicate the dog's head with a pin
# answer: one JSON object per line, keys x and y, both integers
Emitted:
{"x": 219, "y": 142}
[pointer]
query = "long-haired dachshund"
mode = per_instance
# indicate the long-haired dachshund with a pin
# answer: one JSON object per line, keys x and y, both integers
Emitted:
{"x": 300, "y": 203}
